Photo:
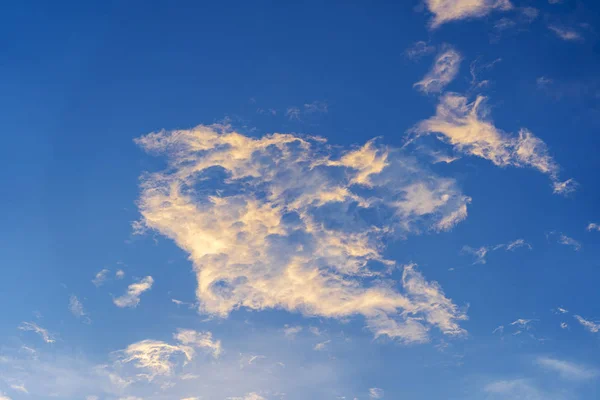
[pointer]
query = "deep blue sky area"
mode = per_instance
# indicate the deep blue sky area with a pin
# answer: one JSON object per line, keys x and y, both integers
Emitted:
{"x": 82, "y": 83}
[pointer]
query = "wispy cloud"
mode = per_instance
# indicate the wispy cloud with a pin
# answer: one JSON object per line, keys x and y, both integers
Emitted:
{"x": 316, "y": 107}
{"x": 134, "y": 291}
{"x": 120, "y": 274}
{"x": 376, "y": 393}
{"x": 155, "y": 357}
{"x": 288, "y": 225}
{"x": 100, "y": 277}
{"x": 566, "y": 34}
{"x": 566, "y": 369}
{"x": 480, "y": 253}
{"x": 76, "y": 308}
{"x": 33, "y": 327}
{"x": 465, "y": 126}
{"x": 442, "y": 72}
{"x": 418, "y": 50}
{"x": 593, "y": 327}
{"x": 452, "y": 10}
{"x": 291, "y": 331}
{"x": 565, "y": 240}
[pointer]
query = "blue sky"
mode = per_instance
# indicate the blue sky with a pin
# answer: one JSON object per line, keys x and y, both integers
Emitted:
{"x": 325, "y": 200}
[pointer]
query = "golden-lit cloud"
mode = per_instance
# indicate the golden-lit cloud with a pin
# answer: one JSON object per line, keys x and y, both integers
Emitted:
{"x": 452, "y": 10}
{"x": 290, "y": 222}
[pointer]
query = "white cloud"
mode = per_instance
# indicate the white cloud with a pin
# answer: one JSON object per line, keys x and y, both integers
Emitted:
{"x": 120, "y": 274}
{"x": 157, "y": 358}
{"x": 593, "y": 227}
{"x": 248, "y": 396}
{"x": 376, "y": 393}
{"x": 100, "y": 277}
{"x": 564, "y": 325}
{"x": 593, "y": 327}
{"x": 288, "y": 222}
{"x": 568, "y": 241}
{"x": 465, "y": 126}
{"x": 76, "y": 308}
{"x": 443, "y": 71}
{"x": 480, "y": 253}
{"x": 4, "y": 396}
{"x": 567, "y": 370}
{"x": 453, "y": 10}
{"x": 291, "y": 331}
{"x": 316, "y": 107}
{"x": 19, "y": 388}
{"x": 565, "y": 33}
{"x": 134, "y": 291}
{"x": 33, "y": 327}
{"x": 321, "y": 346}
{"x": 515, "y": 389}
{"x": 418, "y": 50}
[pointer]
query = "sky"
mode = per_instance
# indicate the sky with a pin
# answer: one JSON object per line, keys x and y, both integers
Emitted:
{"x": 300, "y": 200}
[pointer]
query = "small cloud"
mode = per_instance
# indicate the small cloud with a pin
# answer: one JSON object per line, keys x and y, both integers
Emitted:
{"x": 376, "y": 393}
{"x": 564, "y": 325}
{"x": 443, "y": 71}
{"x": 566, "y": 34}
{"x": 291, "y": 331}
{"x": 560, "y": 310}
{"x": 33, "y": 327}
{"x": 479, "y": 254}
{"x": 564, "y": 187}
{"x": 120, "y": 274}
{"x": 517, "y": 244}
{"x": 321, "y": 346}
{"x": 293, "y": 113}
{"x": 19, "y": 388}
{"x": 592, "y": 226}
{"x": 453, "y": 10}
{"x": 316, "y": 107}
{"x": 418, "y": 50}
{"x": 593, "y": 327}
{"x": 100, "y": 277}
{"x": 567, "y": 241}
{"x": 567, "y": 370}
{"x": 543, "y": 82}
{"x": 132, "y": 297}
{"x": 499, "y": 330}
{"x": 76, "y": 308}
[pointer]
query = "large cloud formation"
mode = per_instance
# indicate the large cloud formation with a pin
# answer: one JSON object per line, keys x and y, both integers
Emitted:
{"x": 293, "y": 223}
{"x": 464, "y": 125}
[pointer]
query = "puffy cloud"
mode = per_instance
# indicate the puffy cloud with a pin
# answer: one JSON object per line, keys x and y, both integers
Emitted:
{"x": 376, "y": 393}
{"x": 156, "y": 357}
{"x": 33, "y": 327}
{"x": 589, "y": 325}
{"x": 100, "y": 277}
{"x": 120, "y": 274}
{"x": 566, "y": 369}
{"x": 442, "y": 72}
{"x": 593, "y": 227}
{"x": 287, "y": 222}
{"x": 134, "y": 291}
{"x": 452, "y": 10}
{"x": 4, "y": 397}
{"x": 465, "y": 126}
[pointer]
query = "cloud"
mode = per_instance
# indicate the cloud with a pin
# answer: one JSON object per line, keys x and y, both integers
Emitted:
{"x": 452, "y": 10}
{"x": 4, "y": 396}
{"x": 287, "y": 222}
{"x": 19, "y": 388}
{"x": 566, "y": 240}
{"x": 248, "y": 396}
{"x": 100, "y": 277}
{"x": 480, "y": 253}
{"x": 465, "y": 126}
{"x": 566, "y": 34}
{"x": 33, "y": 327}
{"x": 321, "y": 346}
{"x": 134, "y": 291}
{"x": 291, "y": 331}
{"x": 567, "y": 370}
{"x": 120, "y": 274}
{"x": 76, "y": 308}
{"x": 376, "y": 393}
{"x": 418, "y": 50}
{"x": 589, "y": 325}
{"x": 515, "y": 389}
{"x": 444, "y": 70}
{"x": 316, "y": 107}
{"x": 156, "y": 357}
{"x": 593, "y": 227}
